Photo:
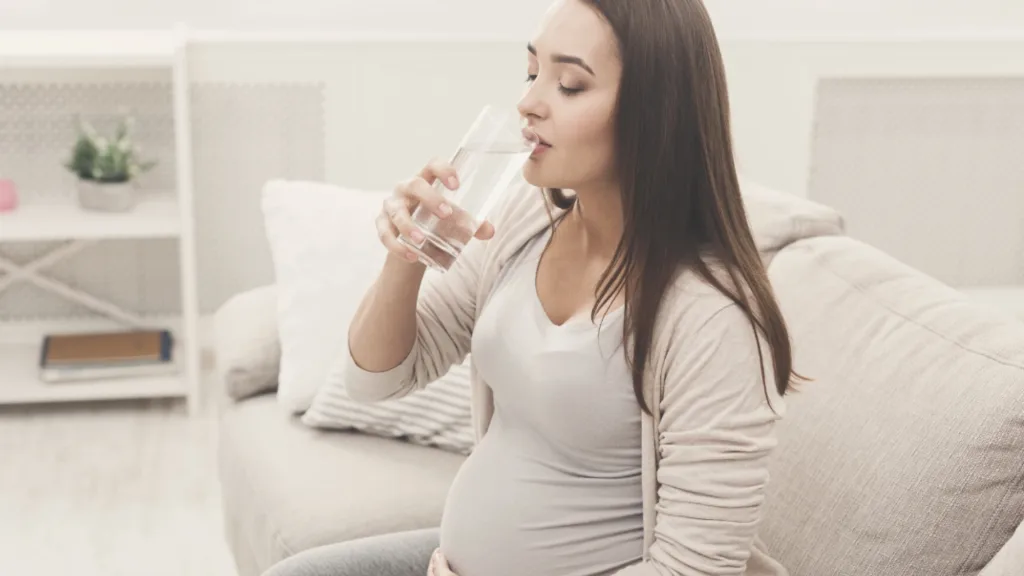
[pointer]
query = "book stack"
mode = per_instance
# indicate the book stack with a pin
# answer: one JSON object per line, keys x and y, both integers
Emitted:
{"x": 96, "y": 356}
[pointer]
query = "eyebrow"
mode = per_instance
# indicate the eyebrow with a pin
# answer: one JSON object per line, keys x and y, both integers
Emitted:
{"x": 564, "y": 59}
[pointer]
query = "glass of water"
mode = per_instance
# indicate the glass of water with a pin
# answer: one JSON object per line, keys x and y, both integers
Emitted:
{"x": 489, "y": 158}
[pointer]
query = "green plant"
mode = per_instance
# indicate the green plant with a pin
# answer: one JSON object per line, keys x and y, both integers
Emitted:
{"x": 106, "y": 160}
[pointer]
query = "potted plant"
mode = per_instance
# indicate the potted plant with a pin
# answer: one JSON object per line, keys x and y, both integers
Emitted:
{"x": 106, "y": 167}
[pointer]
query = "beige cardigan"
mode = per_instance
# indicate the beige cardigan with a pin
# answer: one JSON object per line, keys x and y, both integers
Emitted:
{"x": 706, "y": 448}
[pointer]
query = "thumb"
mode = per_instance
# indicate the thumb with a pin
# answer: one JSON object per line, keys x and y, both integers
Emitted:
{"x": 486, "y": 231}
{"x": 438, "y": 565}
{"x": 443, "y": 568}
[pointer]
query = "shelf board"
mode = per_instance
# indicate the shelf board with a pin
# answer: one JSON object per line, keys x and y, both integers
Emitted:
{"x": 94, "y": 49}
{"x": 20, "y": 383}
{"x": 19, "y": 369}
{"x": 156, "y": 218}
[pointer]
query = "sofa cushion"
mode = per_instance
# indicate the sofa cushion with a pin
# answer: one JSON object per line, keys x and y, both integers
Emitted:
{"x": 287, "y": 487}
{"x": 904, "y": 456}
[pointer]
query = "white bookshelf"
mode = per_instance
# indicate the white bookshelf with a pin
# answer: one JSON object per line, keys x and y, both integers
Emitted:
{"x": 157, "y": 216}
{"x": 19, "y": 363}
{"x": 89, "y": 49}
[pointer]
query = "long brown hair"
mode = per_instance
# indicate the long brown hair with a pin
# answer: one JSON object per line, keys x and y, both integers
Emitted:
{"x": 680, "y": 191}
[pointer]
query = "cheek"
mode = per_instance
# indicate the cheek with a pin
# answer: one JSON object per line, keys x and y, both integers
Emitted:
{"x": 585, "y": 145}
{"x": 589, "y": 128}
{"x": 591, "y": 138}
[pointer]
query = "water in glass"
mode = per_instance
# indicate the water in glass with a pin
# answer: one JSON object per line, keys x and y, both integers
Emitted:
{"x": 485, "y": 174}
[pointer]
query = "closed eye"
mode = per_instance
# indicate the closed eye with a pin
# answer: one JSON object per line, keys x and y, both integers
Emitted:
{"x": 562, "y": 89}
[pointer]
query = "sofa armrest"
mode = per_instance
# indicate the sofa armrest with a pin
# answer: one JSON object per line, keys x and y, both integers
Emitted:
{"x": 246, "y": 344}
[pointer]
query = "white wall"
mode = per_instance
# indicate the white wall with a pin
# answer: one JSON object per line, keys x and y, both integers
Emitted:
{"x": 388, "y": 108}
{"x": 442, "y": 17}
{"x": 368, "y": 85}
{"x": 827, "y": 18}
{"x": 391, "y": 96}
{"x": 508, "y": 19}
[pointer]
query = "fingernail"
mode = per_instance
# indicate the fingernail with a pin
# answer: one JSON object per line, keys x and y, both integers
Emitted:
{"x": 452, "y": 182}
{"x": 416, "y": 236}
{"x": 411, "y": 257}
{"x": 445, "y": 210}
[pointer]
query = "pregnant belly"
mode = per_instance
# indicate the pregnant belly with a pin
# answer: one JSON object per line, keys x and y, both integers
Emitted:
{"x": 511, "y": 515}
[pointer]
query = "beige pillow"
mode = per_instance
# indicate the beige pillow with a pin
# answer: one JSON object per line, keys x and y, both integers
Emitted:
{"x": 1009, "y": 561}
{"x": 904, "y": 456}
{"x": 248, "y": 353}
{"x": 778, "y": 219}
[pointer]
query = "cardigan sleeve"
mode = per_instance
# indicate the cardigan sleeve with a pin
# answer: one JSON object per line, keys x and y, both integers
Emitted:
{"x": 447, "y": 307}
{"x": 445, "y": 314}
{"x": 716, "y": 434}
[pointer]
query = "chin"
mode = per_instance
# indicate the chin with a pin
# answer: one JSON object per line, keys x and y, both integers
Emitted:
{"x": 534, "y": 174}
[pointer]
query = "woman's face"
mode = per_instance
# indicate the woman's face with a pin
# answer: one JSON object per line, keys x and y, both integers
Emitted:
{"x": 574, "y": 72}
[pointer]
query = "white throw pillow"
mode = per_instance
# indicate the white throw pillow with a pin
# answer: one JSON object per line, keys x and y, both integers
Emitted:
{"x": 326, "y": 255}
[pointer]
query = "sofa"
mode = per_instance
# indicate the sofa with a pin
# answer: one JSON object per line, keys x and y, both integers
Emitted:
{"x": 902, "y": 455}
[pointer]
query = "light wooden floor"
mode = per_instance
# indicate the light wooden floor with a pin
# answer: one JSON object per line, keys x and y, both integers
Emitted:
{"x": 110, "y": 490}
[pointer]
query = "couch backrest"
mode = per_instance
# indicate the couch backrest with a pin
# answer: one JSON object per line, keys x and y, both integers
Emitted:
{"x": 905, "y": 455}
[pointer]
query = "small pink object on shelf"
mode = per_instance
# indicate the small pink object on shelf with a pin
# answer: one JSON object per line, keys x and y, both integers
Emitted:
{"x": 8, "y": 195}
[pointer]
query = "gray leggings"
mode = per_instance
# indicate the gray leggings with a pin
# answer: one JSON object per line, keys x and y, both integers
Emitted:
{"x": 399, "y": 554}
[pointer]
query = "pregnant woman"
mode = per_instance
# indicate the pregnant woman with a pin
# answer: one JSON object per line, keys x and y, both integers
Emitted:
{"x": 628, "y": 356}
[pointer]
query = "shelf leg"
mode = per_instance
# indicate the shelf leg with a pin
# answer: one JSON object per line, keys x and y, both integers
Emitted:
{"x": 187, "y": 248}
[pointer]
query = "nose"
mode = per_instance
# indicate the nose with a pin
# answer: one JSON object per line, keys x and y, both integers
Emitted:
{"x": 531, "y": 106}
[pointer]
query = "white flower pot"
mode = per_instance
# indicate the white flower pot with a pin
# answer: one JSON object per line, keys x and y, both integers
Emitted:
{"x": 106, "y": 197}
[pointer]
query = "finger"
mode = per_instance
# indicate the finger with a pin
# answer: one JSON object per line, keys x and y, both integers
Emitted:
{"x": 404, "y": 201}
{"x": 443, "y": 569}
{"x": 388, "y": 235}
{"x": 403, "y": 224}
{"x": 420, "y": 192}
{"x": 433, "y": 562}
{"x": 397, "y": 212}
{"x": 440, "y": 170}
{"x": 486, "y": 231}
{"x": 403, "y": 192}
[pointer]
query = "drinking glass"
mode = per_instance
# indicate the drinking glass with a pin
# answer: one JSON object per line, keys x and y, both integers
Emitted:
{"x": 489, "y": 158}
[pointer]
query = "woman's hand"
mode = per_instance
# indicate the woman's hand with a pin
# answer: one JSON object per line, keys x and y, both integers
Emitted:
{"x": 395, "y": 218}
{"x": 439, "y": 565}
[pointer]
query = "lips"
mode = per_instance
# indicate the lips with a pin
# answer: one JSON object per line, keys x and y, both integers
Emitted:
{"x": 532, "y": 136}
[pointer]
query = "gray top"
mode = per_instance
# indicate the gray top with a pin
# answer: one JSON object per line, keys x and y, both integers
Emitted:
{"x": 554, "y": 487}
